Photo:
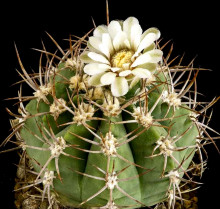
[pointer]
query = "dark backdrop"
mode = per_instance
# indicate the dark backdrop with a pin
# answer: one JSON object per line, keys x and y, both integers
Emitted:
{"x": 192, "y": 28}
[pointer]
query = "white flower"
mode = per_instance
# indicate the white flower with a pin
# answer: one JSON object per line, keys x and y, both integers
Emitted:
{"x": 119, "y": 53}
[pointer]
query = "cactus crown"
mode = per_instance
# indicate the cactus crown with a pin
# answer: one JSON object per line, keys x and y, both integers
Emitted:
{"x": 110, "y": 124}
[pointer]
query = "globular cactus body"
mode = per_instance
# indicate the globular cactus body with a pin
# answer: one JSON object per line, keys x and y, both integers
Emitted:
{"x": 149, "y": 188}
{"x": 96, "y": 147}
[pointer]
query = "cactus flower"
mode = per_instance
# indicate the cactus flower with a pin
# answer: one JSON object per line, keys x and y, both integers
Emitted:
{"x": 120, "y": 52}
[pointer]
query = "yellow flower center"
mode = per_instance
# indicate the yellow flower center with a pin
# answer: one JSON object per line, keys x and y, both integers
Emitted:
{"x": 122, "y": 57}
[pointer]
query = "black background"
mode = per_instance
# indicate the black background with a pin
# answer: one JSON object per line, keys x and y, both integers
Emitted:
{"x": 192, "y": 28}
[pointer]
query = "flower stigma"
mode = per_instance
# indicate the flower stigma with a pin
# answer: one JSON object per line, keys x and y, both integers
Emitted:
{"x": 121, "y": 57}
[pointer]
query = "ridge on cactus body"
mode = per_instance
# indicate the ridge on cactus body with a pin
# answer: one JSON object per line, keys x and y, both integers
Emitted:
{"x": 112, "y": 123}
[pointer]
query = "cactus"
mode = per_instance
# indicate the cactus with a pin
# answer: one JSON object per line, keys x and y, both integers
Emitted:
{"x": 110, "y": 123}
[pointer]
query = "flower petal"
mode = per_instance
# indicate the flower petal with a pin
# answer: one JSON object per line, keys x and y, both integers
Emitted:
{"x": 151, "y": 30}
{"x": 133, "y": 30}
{"x": 153, "y": 56}
{"x": 108, "y": 78}
{"x": 125, "y": 73}
{"x": 114, "y": 28}
{"x": 141, "y": 73}
{"x": 95, "y": 68}
{"x": 147, "y": 41}
{"x": 104, "y": 49}
{"x": 149, "y": 66}
{"x": 85, "y": 58}
{"x": 156, "y": 55}
{"x": 115, "y": 69}
{"x": 95, "y": 80}
{"x": 126, "y": 66}
{"x": 100, "y": 30}
{"x": 98, "y": 57}
{"x": 120, "y": 41}
{"x": 97, "y": 45}
{"x": 92, "y": 49}
{"x": 134, "y": 81}
{"x": 128, "y": 23}
{"x": 95, "y": 42}
{"x": 107, "y": 42}
{"x": 136, "y": 32}
{"x": 149, "y": 48}
{"x": 119, "y": 87}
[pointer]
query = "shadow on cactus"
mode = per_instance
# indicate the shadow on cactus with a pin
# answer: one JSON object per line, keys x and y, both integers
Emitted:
{"x": 112, "y": 122}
